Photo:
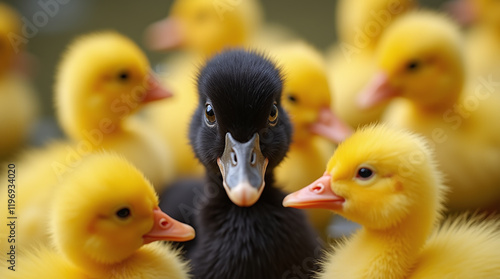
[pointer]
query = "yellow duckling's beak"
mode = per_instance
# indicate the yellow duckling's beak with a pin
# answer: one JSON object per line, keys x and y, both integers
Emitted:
{"x": 155, "y": 91}
{"x": 378, "y": 91}
{"x": 318, "y": 194}
{"x": 168, "y": 229}
{"x": 330, "y": 126}
{"x": 165, "y": 34}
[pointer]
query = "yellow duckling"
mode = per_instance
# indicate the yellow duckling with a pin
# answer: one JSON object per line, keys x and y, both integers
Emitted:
{"x": 387, "y": 180}
{"x": 201, "y": 28}
{"x": 306, "y": 97}
{"x": 103, "y": 78}
{"x": 350, "y": 63}
{"x": 103, "y": 216}
{"x": 426, "y": 69}
{"x": 18, "y": 105}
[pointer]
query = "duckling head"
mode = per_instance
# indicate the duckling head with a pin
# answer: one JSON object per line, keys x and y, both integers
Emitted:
{"x": 362, "y": 23}
{"x": 206, "y": 26}
{"x": 100, "y": 218}
{"x": 419, "y": 58}
{"x": 306, "y": 94}
{"x": 10, "y": 26}
{"x": 377, "y": 177}
{"x": 239, "y": 130}
{"x": 102, "y": 79}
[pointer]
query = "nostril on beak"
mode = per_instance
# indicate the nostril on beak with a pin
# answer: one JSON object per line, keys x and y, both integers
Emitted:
{"x": 318, "y": 188}
{"x": 163, "y": 223}
{"x": 253, "y": 158}
{"x": 234, "y": 158}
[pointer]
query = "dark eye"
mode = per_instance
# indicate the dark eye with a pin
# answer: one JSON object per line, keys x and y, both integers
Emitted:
{"x": 123, "y": 213}
{"x": 123, "y": 76}
{"x": 209, "y": 115}
{"x": 364, "y": 173}
{"x": 291, "y": 98}
{"x": 273, "y": 116}
{"x": 413, "y": 65}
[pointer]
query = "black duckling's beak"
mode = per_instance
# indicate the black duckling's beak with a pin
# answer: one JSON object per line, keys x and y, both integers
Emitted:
{"x": 243, "y": 167}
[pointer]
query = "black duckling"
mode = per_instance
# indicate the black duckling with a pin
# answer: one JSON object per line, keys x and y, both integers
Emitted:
{"x": 240, "y": 133}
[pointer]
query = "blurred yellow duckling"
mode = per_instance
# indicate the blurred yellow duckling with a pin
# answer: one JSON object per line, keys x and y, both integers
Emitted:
{"x": 103, "y": 78}
{"x": 360, "y": 24}
{"x": 426, "y": 70}
{"x": 306, "y": 98}
{"x": 103, "y": 217}
{"x": 388, "y": 181}
{"x": 18, "y": 105}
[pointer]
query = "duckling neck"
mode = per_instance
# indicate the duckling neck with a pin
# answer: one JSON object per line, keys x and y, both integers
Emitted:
{"x": 391, "y": 253}
{"x": 117, "y": 270}
{"x": 95, "y": 131}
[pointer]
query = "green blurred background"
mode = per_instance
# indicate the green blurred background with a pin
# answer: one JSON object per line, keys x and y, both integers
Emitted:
{"x": 310, "y": 20}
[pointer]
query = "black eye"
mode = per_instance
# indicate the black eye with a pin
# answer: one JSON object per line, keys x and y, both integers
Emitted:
{"x": 413, "y": 65}
{"x": 209, "y": 115}
{"x": 291, "y": 98}
{"x": 364, "y": 173}
{"x": 273, "y": 116}
{"x": 123, "y": 213}
{"x": 123, "y": 76}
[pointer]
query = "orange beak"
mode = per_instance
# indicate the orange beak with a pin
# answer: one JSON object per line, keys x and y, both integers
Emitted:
{"x": 377, "y": 91}
{"x": 318, "y": 194}
{"x": 331, "y": 127}
{"x": 168, "y": 229}
{"x": 165, "y": 34}
{"x": 155, "y": 91}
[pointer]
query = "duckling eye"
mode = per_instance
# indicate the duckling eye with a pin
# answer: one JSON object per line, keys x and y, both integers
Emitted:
{"x": 413, "y": 65}
{"x": 123, "y": 213}
{"x": 291, "y": 98}
{"x": 273, "y": 116}
{"x": 123, "y": 76}
{"x": 364, "y": 173}
{"x": 209, "y": 115}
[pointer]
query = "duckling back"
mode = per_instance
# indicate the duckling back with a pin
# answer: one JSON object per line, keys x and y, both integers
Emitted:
{"x": 465, "y": 246}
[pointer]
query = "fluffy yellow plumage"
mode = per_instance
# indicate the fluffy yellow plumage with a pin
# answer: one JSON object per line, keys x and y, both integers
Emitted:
{"x": 427, "y": 72}
{"x": 360, "y": 25}
{"x": 18, "y": 105}
{"x": 101, "y": 216}
{"x": 388, "y": 181}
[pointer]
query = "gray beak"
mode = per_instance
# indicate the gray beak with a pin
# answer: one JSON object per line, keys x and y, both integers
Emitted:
{"x": 243, "y": 167}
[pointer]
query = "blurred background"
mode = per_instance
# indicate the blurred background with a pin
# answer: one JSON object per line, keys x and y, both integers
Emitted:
{"x": 311, "y": 20}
